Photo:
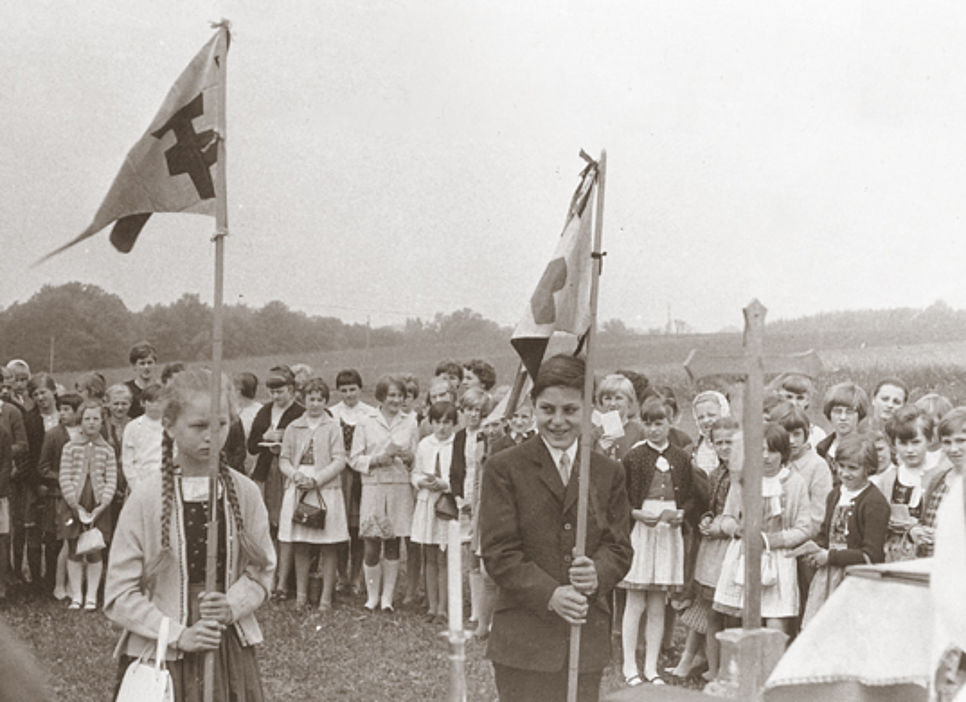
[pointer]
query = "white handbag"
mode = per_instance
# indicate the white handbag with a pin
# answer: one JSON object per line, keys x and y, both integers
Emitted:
{"x": 90, "y": 541}
{"x": 145, "y": 681}
{"x": 769, "y": 568}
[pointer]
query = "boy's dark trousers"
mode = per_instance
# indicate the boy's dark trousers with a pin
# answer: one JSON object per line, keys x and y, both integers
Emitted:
{"x": 518, "y": 685}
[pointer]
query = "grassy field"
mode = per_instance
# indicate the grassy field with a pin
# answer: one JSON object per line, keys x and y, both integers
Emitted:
{"x": 928, "y": 367}
{"x": 345, "y": 654}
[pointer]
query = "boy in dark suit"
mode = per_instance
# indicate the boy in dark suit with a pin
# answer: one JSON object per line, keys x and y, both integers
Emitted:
{"x": 528, "y": 518}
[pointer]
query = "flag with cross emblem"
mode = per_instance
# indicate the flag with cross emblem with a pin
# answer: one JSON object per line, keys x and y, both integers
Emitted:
{"x": 561, "y": 299}
{"x": 172, "y": 167}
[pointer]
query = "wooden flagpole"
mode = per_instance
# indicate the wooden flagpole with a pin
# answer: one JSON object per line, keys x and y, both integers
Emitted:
{"x": 586, "y": 436}
{"x": 221, "y": 231}
{"x": 514, "y": 397}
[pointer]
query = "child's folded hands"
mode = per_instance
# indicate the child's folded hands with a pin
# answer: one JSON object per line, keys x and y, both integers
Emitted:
{"x": 644, "y": 518}
{"x": 302, "y": 481}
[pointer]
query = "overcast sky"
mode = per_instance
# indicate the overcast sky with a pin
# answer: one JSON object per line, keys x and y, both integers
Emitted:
{"x": 396, "y": 159}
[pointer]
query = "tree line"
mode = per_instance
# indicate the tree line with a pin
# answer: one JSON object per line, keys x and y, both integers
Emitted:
{"x": 87, "y": 327}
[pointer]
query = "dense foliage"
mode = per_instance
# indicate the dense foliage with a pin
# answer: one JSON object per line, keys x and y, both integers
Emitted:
{"x": 87, "y": 327}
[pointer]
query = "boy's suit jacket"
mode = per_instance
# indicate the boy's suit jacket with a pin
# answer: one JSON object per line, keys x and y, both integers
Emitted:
{"x": 528, "y": 524}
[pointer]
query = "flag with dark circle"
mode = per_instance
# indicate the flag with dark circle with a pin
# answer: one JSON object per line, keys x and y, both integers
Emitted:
{"x": 561, "y": 299}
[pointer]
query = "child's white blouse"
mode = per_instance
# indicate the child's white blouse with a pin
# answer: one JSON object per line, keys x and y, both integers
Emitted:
{"x": 427, "y": 451}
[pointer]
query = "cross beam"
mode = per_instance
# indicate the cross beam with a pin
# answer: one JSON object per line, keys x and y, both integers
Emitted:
{"x": 752, "y": 365}
{"x": 701, "y": 364}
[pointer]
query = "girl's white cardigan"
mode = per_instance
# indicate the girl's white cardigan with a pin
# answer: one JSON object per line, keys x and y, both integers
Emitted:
{"x": 137, "y": 540}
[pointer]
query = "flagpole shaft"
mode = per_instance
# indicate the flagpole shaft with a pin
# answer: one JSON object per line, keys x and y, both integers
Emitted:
{"x": 586, "y": 436}
{"x": 217, "y": 347}
{"x": 514, "y": 398}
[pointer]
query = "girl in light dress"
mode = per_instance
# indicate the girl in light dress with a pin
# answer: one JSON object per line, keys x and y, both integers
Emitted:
{"x": 348, "y": 413}
{"x": 383, "y": 449}
{"x": 785, "y": 524}
{"x": 469, "y": 446}
{"x": 312, "y": 461}
{"x": 702, "y": 621}
{"x": 435, "y": 472}
{"x": 660, "y": 491}
{"x": 706, "y": 407}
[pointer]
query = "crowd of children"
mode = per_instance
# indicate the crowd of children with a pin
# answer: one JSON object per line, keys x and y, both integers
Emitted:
{"x": 337, "y": 494}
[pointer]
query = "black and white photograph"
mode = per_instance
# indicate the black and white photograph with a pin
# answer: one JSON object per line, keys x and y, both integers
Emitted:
{"x": 483, "y": 351}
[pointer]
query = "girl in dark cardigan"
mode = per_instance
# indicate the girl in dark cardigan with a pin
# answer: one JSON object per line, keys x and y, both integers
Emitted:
{"x": 855, "y": 525}
{"x": 661, "y": 494}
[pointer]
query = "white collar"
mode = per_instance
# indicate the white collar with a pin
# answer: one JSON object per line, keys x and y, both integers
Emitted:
{"x": 195, "y": 488}
{"x": 447, "y": 442}
{"x": 659, "y": 449}
{"x": 556, "y": 453}
{"x": 846, "y": 496}
{"x": 911, "y": 477}
{"x": 772, "y": 486}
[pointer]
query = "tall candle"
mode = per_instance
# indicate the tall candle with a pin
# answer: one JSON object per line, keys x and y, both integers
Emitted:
{"x": 454, "y": 580}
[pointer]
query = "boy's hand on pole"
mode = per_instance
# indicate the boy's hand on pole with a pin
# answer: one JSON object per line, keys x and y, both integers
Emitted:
{"x": 583, "y": 575}
{"x": 569, "y": 605}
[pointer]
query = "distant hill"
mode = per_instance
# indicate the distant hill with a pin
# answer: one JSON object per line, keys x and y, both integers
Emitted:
{"x": 85, "y": 327}
{"x": 857, "y": 328}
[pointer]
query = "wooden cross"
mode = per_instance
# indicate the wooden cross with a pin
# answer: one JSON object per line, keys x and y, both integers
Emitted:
{"x": 752, "y": 365}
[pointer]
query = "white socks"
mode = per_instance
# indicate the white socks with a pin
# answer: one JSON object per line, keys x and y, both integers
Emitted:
{"x": 75, "y": 581}
{"x": 373, "y": 576}
{"x": 93, "y": 582}
{"x": 390, "y": 571}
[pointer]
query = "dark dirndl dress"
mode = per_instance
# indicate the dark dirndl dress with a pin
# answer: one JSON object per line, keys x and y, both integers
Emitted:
{"x": 237, "y": 678}
{"x": 351, "y": 479}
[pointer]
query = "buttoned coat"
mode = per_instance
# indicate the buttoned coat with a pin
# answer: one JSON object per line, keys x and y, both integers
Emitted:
{"x": 528, "y": 524}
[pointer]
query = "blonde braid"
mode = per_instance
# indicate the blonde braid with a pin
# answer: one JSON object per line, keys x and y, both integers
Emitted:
{"x": 167, "y": 488}
{"x": 151, "y": 570}
{"x": 246, "y": 544}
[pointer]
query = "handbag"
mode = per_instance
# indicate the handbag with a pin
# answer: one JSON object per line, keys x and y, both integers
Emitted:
{"x": 899, "y": 546}
{"x": 769, "y": 567}
{"x": 144, "y": 682}
{"x": 309, "y": 515}
{"x": 446, "y": 508}
{"x": 90, "y": 541}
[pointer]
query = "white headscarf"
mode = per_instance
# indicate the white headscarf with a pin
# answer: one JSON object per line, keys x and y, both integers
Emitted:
{"x": 715, "y": 397}
{"x": 704, "y": 455}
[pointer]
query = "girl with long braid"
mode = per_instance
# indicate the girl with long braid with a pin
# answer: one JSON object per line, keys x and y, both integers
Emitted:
{"x": 157, "y": 561}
